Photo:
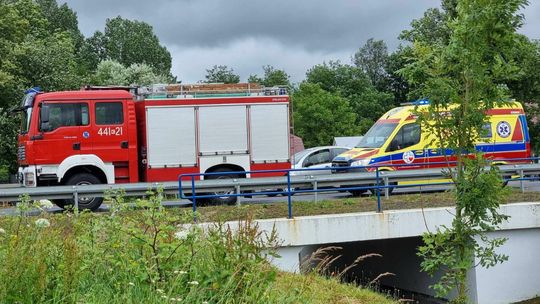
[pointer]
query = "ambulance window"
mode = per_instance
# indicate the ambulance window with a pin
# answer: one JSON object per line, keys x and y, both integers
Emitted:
{"x": 486, "y": 131}
{"x": 408, "y": 135}
{"x": 109, "y": 113}
{"x": 66, "y": 115}
{"x": 338, "y": 151}
{"x": 377, "y": 135}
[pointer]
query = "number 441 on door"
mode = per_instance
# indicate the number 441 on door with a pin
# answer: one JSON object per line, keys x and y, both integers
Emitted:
{"x": 108, "y": 131}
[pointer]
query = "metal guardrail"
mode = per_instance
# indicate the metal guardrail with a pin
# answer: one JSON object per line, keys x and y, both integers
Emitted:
{"x": 191, "y": 187}
{"x": 374, "y": 180}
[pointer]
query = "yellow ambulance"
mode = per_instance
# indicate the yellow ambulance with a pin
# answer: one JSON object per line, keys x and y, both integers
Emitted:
{"x": 397, "y": 142}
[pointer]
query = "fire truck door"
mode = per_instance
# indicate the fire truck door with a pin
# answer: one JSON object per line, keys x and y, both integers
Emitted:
{"x": 63, "y": 135}
{"x": 110, "y": 136}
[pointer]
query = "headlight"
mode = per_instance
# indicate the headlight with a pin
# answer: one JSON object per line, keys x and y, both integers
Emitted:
{"x": 360, "y": 162}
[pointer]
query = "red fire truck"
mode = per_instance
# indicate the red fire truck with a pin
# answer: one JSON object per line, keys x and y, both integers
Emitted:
{"x": 108, "y": 135}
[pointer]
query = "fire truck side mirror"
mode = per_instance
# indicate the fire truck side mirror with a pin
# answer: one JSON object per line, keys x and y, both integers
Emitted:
{"x": 44, "y": 118}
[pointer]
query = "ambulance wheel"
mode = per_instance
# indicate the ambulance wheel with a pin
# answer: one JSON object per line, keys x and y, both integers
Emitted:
{"x": 85, "y": 202}
{"x": 358, "y": 193}
{"x": 390, "y": 189}
{"x": 223, "y": 200}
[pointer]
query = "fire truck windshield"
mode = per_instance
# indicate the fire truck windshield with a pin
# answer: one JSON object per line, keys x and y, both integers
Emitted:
{"x": 25, "y": 121}
{"x": 26, "y": 108}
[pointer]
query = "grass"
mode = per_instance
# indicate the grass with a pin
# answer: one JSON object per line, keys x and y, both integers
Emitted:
{"x": 531, "y": 301}
{"x": 339, "y": 206}
{"x": 144, "y": 254}
{"x": 316, "y": 289}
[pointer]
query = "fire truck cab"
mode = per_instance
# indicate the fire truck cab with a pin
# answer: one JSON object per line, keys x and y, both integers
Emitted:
{"x": 102, "y": 135}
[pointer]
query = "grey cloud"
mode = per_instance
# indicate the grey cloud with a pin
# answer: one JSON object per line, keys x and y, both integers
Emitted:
{"x": 318, "y": 25}
{"x": 246, "y": 34}
{"x": 308, "y": 24}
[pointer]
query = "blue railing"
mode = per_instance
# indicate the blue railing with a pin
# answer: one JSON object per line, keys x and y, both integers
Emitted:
{"x": 376, "y": 188}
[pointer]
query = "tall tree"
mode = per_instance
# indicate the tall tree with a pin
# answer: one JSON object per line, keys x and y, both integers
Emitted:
{"x": 320, "y": 115}
{"x": 221, "y": 73}
{"x": 397, "y": 85}
{"x": 462, "y": 80}
{"x": 34, "y": 52}
{"x": 372, "y": 58}
{"x": 128, "y": 42}
{"x": 61, "y": 18}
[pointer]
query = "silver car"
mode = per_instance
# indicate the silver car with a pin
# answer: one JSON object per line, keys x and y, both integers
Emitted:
{"x": 318, "y": 157}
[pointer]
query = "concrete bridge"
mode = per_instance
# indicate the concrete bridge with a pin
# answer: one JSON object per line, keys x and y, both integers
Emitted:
{"x": 397, "y": 234}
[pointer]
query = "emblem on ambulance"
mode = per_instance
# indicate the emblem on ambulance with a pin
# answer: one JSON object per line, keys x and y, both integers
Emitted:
{"x": 504, "y": 129}
{"x": 408, "y": 157}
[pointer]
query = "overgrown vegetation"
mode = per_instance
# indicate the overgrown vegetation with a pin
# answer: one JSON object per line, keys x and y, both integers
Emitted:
{"x": 148, "y": 256}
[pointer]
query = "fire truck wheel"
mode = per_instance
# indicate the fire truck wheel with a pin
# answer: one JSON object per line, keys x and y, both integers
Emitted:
{"x": 222, "y": 200}
{"x": 91, "y": 203}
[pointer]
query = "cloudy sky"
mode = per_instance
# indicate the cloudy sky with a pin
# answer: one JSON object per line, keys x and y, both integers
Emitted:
{"x": 292, "y": 35}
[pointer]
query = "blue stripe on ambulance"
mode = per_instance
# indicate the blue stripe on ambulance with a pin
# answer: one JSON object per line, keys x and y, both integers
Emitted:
{"x": 486, "y": 148}
{"x": 525, "y": 128}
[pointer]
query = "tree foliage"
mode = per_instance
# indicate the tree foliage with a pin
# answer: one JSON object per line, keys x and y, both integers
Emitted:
{"x": 41, "y": 45}
{"x": 272, "y": 77}
{"x": 128, "y": 42}
{"x": 221, "y": 74}
{"x": 372, "y": 58}
{"x": 397, "y": 84}
{"x": 61, "y": 18}
{"x": 320, "y": 115}
{"x": 352, "y": 84}
{"x": 462, "y": 79}
{"x": 110, "y": 72}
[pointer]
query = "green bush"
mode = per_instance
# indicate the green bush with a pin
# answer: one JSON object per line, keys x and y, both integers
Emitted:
{"x": 135, "y": 256}
{"x": 4, "y": 174}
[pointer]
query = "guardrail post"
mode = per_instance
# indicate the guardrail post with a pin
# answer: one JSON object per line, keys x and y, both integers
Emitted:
{"x": 237, "y": 191}
{"x": 378, "y": 189}
{"x": 315, "y": 187}
{"x": 194, "y": 198}
{"x": 386, "y": 189}
{"x": 75, "y": 199}
{"x": 289, "y": 199}
{"x": 521, "y": 176}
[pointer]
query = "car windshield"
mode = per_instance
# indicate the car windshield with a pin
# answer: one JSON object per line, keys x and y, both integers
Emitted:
{"x": 299, "y": 155}
{"x": 377, "y": 135}
{"x": 25, "y": 120}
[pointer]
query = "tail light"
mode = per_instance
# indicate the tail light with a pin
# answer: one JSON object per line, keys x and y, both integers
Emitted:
{"x": 29, "y": 179}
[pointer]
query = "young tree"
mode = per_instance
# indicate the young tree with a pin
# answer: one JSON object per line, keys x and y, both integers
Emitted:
{"x": 221, "y": 74}
{"x": 462, "y": 79}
